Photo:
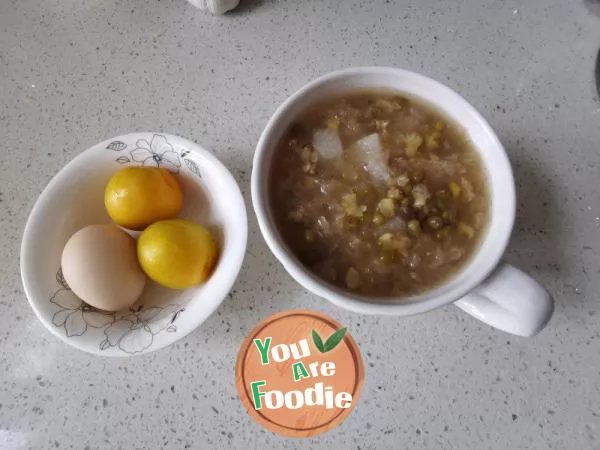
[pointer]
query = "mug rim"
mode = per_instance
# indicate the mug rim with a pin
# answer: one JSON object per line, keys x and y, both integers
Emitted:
{"x": 430, "y": 299}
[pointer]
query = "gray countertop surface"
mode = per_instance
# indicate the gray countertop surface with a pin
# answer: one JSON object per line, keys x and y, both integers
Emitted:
{"x": 75, "y": 72}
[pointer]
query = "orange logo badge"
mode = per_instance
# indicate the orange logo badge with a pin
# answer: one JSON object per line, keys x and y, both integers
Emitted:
{"x": 299, "y": 373}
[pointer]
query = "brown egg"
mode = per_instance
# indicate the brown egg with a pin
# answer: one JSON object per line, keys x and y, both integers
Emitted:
{"x": 100, "y": 265}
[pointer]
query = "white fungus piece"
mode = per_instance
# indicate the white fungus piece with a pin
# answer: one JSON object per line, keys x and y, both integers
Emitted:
{"x": 468, "y": 188}
{"x": 370, "y": 154}
{"x": 352, "y": 278}
{"x": 421, "y": 195}
{"x": 327, "y": 142}
{"x": 440, "y": 168}
{"x": 395, "y": 225}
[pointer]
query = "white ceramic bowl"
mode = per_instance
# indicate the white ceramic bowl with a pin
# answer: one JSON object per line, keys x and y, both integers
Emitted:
{"x": 505, "y": 298}
{"x": 75, "y": 198}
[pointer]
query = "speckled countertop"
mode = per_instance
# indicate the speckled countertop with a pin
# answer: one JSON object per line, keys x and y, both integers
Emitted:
{"x": 75, "y": 72}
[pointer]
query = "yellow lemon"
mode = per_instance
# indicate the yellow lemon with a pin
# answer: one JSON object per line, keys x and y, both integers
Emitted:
{"x": 177, "y": 253}
{"x": 135, "y": 197}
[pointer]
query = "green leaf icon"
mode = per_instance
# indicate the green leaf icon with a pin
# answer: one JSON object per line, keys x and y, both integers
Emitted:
{"x": 334, "y": 340}
{"x": 331, "y": 342}
{"x": 318, "y": 341}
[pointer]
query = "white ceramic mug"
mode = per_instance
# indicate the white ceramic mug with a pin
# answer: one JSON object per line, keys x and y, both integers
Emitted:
{"x": 488, "y": 289}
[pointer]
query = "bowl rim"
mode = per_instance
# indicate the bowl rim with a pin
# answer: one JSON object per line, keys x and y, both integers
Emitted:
{"x": 236, "y": 260}
{"x": 357, "y": 303}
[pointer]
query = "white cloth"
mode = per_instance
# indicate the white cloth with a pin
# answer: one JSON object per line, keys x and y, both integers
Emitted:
{"x": 217, "y": 7}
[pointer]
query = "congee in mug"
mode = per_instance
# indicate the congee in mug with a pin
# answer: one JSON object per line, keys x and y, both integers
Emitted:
{"x": 379, "y": 193}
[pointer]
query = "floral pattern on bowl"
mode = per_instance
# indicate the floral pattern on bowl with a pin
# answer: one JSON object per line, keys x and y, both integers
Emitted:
{"x": 131, "y": 331}
{"x": 156, "y": 153}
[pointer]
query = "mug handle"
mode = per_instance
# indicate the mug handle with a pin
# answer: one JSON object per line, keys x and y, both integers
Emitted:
{"x": 511, "y": 301}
